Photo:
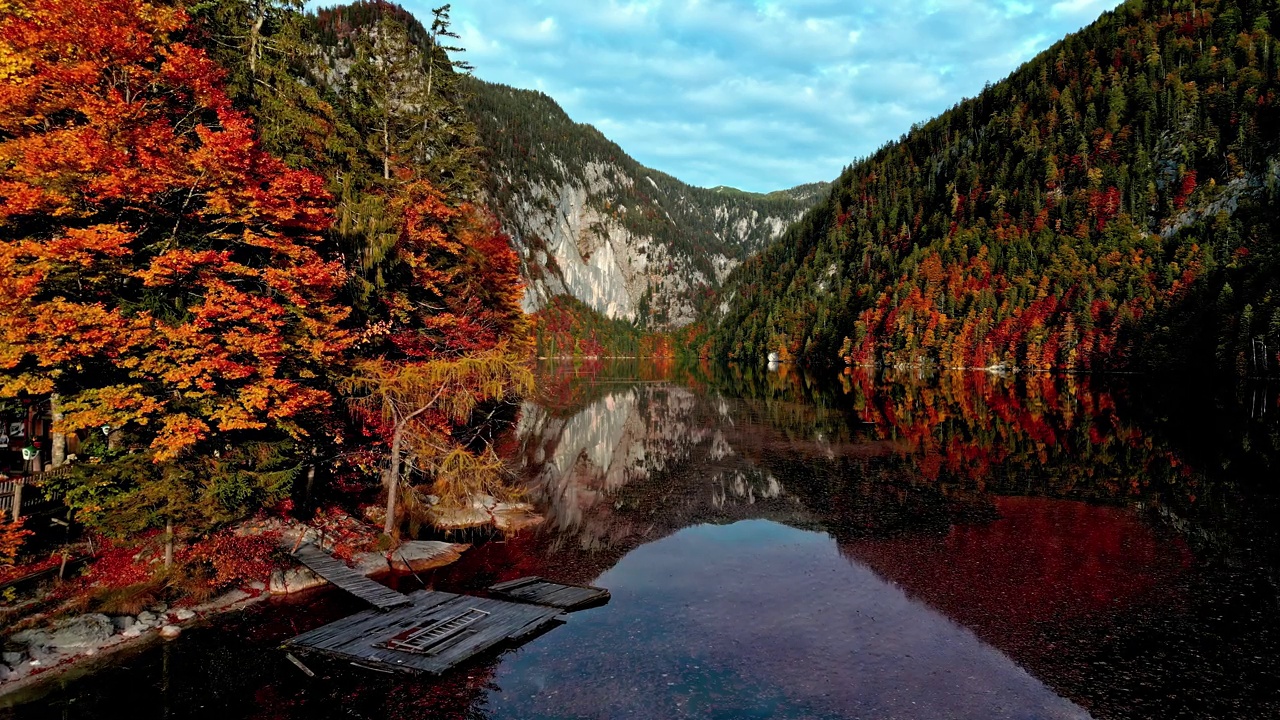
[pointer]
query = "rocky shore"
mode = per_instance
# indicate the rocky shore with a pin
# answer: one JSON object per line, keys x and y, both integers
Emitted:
{"x": 42, "y": 653}
{"x": 50, "y": 649}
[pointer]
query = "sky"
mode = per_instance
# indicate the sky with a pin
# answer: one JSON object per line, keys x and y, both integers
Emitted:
{"x": 760, "y": 95}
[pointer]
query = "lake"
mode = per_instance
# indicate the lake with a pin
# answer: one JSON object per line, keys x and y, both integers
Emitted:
{"x": 783, "y": 544}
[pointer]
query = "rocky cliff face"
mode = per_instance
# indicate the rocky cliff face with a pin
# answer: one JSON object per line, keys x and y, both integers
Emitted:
{"x": 587, "y": 220}
{"x": 591, "y": 222}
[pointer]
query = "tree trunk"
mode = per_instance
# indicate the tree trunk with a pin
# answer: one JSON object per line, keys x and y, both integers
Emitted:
{"x": 255, "y": 37}
{"x": 311, "y": 484}
{"x": 168, "y": 544}
{"x": 393, "y": 480}
{"x": 386, "y": 150}
{"x": 58, "y": 439}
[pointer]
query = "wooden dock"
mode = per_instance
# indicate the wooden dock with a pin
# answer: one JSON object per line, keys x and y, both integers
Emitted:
{"x": 537, "y": 591}
{"x": 335, "y": 571}
{"x": 434, "y": 633}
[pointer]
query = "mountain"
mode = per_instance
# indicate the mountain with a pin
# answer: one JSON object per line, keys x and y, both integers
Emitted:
{"x": 590, "y": 222}
{"x": 587, "y": 220}
{"x": 1110, "y": 205}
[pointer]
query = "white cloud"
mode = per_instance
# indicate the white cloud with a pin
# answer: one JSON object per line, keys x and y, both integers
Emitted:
{"x": 759, "y": 95}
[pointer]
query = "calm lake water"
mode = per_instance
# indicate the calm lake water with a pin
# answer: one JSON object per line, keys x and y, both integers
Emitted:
{"x": 784, "y": 545}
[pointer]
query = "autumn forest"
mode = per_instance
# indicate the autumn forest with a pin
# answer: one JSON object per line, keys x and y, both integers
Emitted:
{"x": 1109, "y": 206}
{"x": 245, "y": 256}
{"x": 256, "y": 264}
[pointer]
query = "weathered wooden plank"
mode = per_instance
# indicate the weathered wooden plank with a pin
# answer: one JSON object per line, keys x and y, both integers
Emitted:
{"x": 337, "y": 572}
{"x": 513, "y": 584}
{"x": 363, "y": 624}
{"x": 360, "y": 637}
{"x": 544, "y": 592}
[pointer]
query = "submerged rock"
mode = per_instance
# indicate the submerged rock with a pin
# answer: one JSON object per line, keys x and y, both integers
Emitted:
{"x": 485, "y": 511}
{"x": 461, "y": 518}
{"x": 419, "y": 555}
{"x": 513, "y": 517}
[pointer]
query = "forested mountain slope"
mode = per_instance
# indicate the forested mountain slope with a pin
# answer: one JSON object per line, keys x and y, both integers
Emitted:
{"x": 589, "y": 221}
{"x": 1111, "y": 204}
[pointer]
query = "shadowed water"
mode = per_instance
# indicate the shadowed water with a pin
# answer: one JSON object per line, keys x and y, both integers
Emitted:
{"x": 856, "y": 545}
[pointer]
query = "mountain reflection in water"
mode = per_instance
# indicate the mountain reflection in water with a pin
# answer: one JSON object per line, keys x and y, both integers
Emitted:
{"x": 786, "y": 545}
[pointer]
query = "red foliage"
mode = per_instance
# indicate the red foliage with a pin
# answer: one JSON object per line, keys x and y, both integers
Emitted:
{"x": 11, "y": 536}
{"x": 13, "y": 572}
{"x": 1185, "y": 189}
{"x": 153, "y": 234}
{"x": 463, "y": 290}
{"x": 235, "y": 559}
{"x": 118, "y": 566}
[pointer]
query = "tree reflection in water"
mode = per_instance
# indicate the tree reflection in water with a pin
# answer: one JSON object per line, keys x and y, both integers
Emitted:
{"x": 1115, "y": 538}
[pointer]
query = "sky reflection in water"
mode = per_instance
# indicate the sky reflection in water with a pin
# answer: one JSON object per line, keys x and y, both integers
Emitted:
{"x": 757, "y": 619}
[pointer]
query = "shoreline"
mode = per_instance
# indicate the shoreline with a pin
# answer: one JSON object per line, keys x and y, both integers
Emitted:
{"x": 284, "y": 585}
{"x": 39, "y": 683}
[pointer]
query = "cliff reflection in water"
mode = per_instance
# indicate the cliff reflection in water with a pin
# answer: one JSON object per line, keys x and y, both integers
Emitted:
{"x": 1085, "y": 530}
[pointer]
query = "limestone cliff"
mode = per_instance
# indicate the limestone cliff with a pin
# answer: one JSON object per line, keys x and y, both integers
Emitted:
{"x": 591, "y": 222}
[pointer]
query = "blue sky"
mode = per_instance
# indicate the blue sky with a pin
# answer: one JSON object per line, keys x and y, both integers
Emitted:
{"x": 758, "y": 95}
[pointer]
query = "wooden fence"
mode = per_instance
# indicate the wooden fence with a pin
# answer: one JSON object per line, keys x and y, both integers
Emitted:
{"x": 28, "y": 494}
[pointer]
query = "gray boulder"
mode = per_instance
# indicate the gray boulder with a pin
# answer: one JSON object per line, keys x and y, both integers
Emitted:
{"x": 45, "y": 655}
{"x": 294, "y": 580}
{"x": 35, "y": 636}
{"x": 420, "y": 555}
{"x": 86, "y": 631}
{"x": 371, "y": 563}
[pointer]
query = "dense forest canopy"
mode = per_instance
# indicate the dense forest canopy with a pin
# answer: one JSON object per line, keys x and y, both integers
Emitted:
{"x": 1109, "y": 205}
{"x": 244, "y": 242}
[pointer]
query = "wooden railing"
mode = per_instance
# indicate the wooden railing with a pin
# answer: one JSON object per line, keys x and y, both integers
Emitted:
{"x": 29, "y": 491}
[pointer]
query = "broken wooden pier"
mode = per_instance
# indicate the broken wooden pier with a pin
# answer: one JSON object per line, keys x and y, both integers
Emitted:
{"x": 335, "y": 571}
{"x": 434, "y": 633}
{"x": 544, "y": 592}
{"x": 429, "y": 631}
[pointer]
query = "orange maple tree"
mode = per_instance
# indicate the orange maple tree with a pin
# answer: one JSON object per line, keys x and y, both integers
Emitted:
{"x": 455, "y": 283}
{"x": 447, "y": 336}
{"x": 11, "y": 536}
{"x": 157, "y": 269}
